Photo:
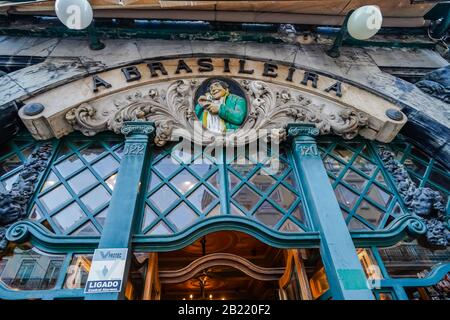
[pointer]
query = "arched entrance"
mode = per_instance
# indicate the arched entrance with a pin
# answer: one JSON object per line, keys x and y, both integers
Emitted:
{"x": 228, "y": 265}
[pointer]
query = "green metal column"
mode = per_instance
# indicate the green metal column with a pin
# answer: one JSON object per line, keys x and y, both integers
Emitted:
{"x": 125, "y": 200}
{"x": 345, "y": 274}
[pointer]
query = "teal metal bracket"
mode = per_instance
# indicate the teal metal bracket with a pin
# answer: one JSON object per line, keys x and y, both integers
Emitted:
{"x": 344, "y": 271}
{"x": 125, "y": 201}
{"x": 334, "y": 51}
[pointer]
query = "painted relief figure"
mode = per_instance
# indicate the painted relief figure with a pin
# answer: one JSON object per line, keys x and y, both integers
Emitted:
{"x": 217, "y": 108}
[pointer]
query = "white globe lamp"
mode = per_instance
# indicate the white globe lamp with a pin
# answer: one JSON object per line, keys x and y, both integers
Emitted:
{"x": 74, "y": 14}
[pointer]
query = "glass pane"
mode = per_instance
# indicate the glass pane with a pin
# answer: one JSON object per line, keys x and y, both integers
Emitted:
{"x": 333, "y": 166}
{"x": 149, "y": 217}
{"x": 69, "y": 217}
{"x": 243, "y": 166}
{"x": 106, "y": 166}
{"x": 96, "y": 198}
{"x": 154, "y": 181}
{"x": 111, "y": 181}
{"x": 246, "y": 197}
{"x": 88, "y": 229}
{"x": 236, "y": 211}
{"x": 29, "y": 269}
{"x": 355, "y": 180}
{"x": 163, "y": 198}
{"x": 232, "y": 180}
{"x": 78, "y": 272}
{"x": 167, "y": 165}
{"x": 290, "y": 178}
{"x": 214, "y": 212}
{"x": 289, "y": 226}
{"x": 184, "y": 181}
{"x": 214, "y": 181}
{"x": 8, "y": 183}
{"x": 201, "y": 198}
{"x": 380, "y": 178}
{"x": 182, "y": 216}
{"x": 345, "y": 196}
{"x": 55, "y": 198}
{"x": 267, "y": 214}
{"x": 343, "y": 152}
{"x": 440, "y": 179}
{"x": 93, "y": 151}
{"x": 356, "y": 225}
{"x": 299, "y": 214}
{"x": 415, "y": 166}
{"x": 9, "y": 164}
{"x": 370, "y": 213}
{"x": 69, "y": 166}
{"x": 160, "y": 229}
{"x": 51, "y": 180}
{"x": 364, "y": 165}
{"x": 262, "y": 181}
{"x": 81, "y": 181}
{"x": 101, "y": 217}
{"x": 379, "y": 196}
{"x": 201, "y": 168}
{"x": 35, "y": 214}
{"x": 283, "y": 197}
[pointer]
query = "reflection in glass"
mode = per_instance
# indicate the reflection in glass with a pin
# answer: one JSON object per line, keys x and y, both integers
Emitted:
{"x": 78, "y": 272}
{"x": 96, "y": 198}
{"x": 69, "y": 217}
{"x": 106, "y": 166}
{"x": 201, "y": 198}
{"x": 370, "y": 213}
{"x": 9, "y": 164}
{"x": 182, "y": 216}
{"x": 55, "y": 198}
{"x": 267, "y": 214}
{"x": 283, "y": 197}
{"x": 163, "y": 198}
{"x": 30, "y": 269}
{"x": 69, "y": 166}
{"x": 246, "y": 197}
{"x": 184, "y": 181}
{"x": 81, "y": 181}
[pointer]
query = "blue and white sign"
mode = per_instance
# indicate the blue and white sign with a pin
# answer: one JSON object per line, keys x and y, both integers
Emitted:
{"x": 107, "y": 270}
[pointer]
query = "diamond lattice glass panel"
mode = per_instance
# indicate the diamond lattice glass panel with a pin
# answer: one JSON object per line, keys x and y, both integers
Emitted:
{"x": 246, "y": 197}
{"x": 87, "y": 229}
{"x": 93, "y": 151}
{"x": 438, "y": 177}
{"x": 149, "y": 217}
{"x": 55, "y": 198}
{"x": 283, "y": 197}
{"x": 291, "y": 180}
{"x": 119, "y": 152}
{"x": 184, "y": 181}
{"x": 379, "y": 196}
{"x": 167, "y": 165}
{"x": 267, "y": 214}
{"x": 233, "y": 180}
{"x": 345, "y": 197}
{"x": 201, "y": 198}
{"x": 160, "y": 229}
{"x": 69, "y": 165}
{"x": 235, "y": 210}
{"x": 333, "y": 166}
{"x": 106, "y": 166}
{"x": 201, "y": 168}
{"x": 289, "y": 226}
{"x": 355, "y": 180}
{"x": 35, "y": 214}
{"x": 96, "y": 198}
{"x": 69, "y": 217}
{"x": 370, "y": 213}
{"x": 182, "y": 216}
{"x": 51, "y": 180}
{"x": 163, "y": 198}
{"x": 415, "y": 166}
{"x": 364, "y": 165}
{"x": 380, "y": 178}
{"x": 81, "y": 181}
{"x": 243, "y": 166}
{"x": 262, "y": 181}
{"x": 214, "y": 212}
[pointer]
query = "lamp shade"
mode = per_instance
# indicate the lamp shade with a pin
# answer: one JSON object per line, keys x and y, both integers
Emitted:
{"x": 365, "y": 22}
{"x": 74, "y": 14}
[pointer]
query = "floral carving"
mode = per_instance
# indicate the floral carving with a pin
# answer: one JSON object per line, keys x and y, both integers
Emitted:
{"x": 423, "y": 202}
{"x": 172, "y": 112}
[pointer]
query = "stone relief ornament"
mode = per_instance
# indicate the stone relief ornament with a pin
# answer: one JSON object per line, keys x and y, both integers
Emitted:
{"x": 422, "y": 202}
{"x": 217, "y": 110}
{"x": 14, "y": 203}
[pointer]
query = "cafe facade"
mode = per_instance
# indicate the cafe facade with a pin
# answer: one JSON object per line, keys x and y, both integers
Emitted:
{"x": 223, "y": 168}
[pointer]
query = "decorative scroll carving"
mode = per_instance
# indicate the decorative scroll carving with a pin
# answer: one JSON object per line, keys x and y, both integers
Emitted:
{"x": 172, "y": 112}
{"x": 13, "y": 204}
{"x": 423, "y": 202}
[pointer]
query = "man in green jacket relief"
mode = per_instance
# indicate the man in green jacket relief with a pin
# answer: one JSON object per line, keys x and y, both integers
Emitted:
{"x": 219, "y": 110}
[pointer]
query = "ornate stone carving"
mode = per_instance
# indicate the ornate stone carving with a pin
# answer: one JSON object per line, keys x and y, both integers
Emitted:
{"x": 423, "y": 202}
{"x": 13, "y": 204}
{"x": 172, "y": 112}
{"x": 437, "y": 84}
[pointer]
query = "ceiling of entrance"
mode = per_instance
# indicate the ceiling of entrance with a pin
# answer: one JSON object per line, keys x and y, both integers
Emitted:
{"x": 401, "y": 13}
